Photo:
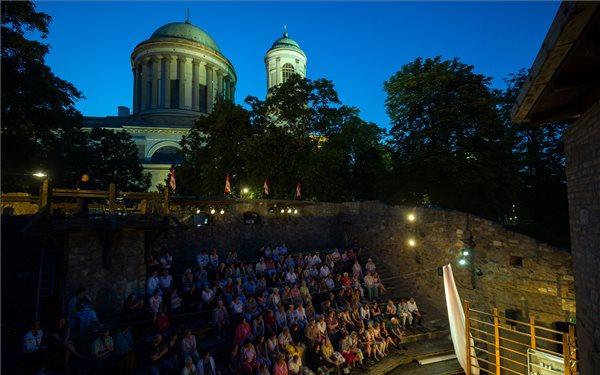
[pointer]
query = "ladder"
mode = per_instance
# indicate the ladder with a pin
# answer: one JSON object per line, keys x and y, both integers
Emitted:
{"x": 46, "y": 277}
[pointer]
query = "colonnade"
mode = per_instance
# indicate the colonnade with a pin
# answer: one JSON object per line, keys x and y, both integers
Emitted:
{"x": 179, "y": 82}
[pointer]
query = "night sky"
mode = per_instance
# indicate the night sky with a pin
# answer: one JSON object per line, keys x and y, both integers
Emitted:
{"x": 357, "y": 45}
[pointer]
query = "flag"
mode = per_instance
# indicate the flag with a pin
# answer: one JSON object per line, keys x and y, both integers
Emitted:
{"x": 227, "y": 185}
{"x": 266, "y": 187}
{"x": 298, "y": 193}
{"x": 172, "y": 183}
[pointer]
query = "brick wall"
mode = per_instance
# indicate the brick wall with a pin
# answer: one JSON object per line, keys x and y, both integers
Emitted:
{"x": 582, "y": 148}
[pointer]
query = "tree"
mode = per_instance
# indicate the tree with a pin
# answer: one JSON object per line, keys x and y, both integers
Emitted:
{"x": 541, "y": 207}
{"x": 35, "y": 103}
{"x": 449, "y": 146}
{"x": 114, "y": 159}
{"x": 213, "y": 148}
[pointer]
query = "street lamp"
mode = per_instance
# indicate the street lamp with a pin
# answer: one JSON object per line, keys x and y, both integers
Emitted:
{"x": 40, "y": 174}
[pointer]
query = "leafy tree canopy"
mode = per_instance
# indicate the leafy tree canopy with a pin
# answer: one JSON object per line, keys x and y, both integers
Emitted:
{"x": 35, "y": 102}
{"x": 450, "y": 147}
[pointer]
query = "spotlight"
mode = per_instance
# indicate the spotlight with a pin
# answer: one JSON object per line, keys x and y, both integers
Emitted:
{"x": 282, "y": 211}
{"x": 411, "y": 217}
{"x": 411, "y": 242}
{"x": 295, "y": 211}
{"x": 289, "y": 210}
{"x": 197, "y": 210}
{"x": 465, "y": 252}
{"x": 462, "y": 261}
{"x": 40, "y": 174}
{"x": 222, "y": 211}
{"x": 213, "y": 211}
{"x": 245, "y": 190}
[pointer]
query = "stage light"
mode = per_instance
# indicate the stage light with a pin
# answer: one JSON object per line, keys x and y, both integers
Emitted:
{"x": 222, "y": 211}
{"x": 245, "y": 190}
{"x": 465, "y": 252}
{"x": 462, "y": 261}
{"x": 213, "y": 211}
{"x": 40, "y": 174}
{"x": 295, "y": 211}
{"x": 411, "y": 217}
{"x": 289, "y": 210}
{"x": 197, "y": 210}
{"x": 282, "y": 211}
{"x": 412, "y": 242}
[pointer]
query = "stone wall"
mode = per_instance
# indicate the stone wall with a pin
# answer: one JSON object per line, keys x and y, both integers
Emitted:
{"x": 18, "y": 208}
{"x": 582, "y": 148}
{"x": 107, "y": 287}
{"x": 542, "y": 286}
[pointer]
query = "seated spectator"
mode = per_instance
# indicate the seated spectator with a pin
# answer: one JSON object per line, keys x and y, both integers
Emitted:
{"x": 220, "y": 319}
{"x": 176, "y": 307}
{"x": 187, "y": 280}
{"x": 243, "y": 332}
{"x": 188, "y": 346}
{"x": 370, "y": 266}
{"x": 344, "y": 349}
{"x": 162, "y": 322}
{"x": 280, "y": 367}
{"x": 263, "y": 369}
{"x": 404, "y": 314}
{"x": 208, "y": 297}
{"x": 258, "y": 326}
{"x": 234, "y": 366}
{"x": 166, "y": 261}
{"x": 155, "y": 303}
{"x": 33, "y": 349}
{"x": 390, "y": 309}
{"x": 203, "y": 259}
{"x": 81, "y": 314}
{"x": 248, "y": 358}
{"x": 166, "y": 281}
{"x": 153, "y": 283}
{"x": 206, "y": 364}
{"x": 376, "y": 315}
{"x": 158, "y": 359}
{"x": 103, "y": 354}
{"x": 189, "y": 368}
{"x": 126, "y": 356}
{"x": 191, "y": 299}
{"x": 295, "y": 365}
{"x": 414, "y": 311}
{"x": 62, "y": 337}
{"x": 133, "y": 308}
{"x": 372, "y": 291}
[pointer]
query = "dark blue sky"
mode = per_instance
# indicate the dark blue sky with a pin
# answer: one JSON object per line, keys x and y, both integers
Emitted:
{"x": 357, "y": 45}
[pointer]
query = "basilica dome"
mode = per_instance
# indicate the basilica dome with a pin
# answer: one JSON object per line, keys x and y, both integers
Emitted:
{"x": 187, "y": 31}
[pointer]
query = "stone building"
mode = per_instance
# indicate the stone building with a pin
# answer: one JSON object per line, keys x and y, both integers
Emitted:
{"x": 178, "y": 75}
{"x": 564, "y": 85}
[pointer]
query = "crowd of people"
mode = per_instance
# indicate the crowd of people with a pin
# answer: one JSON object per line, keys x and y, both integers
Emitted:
{"x": 286, "y": 314}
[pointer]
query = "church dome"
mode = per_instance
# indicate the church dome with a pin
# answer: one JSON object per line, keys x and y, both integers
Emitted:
{"x": 187, "y": 31}
{"x": 286, "y": 42}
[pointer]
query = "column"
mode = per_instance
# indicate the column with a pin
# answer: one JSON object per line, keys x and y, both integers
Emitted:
{"x": 221, "y": 77}
{"x": 144, "y": 83}
{"x": 195, "y": 85}
{"x": 209, "y": 89}
{"x": 156, "y": 78}
{"x": 136, "y": 83}
{"x": 186, "y": 100}
{"x": 166, "y": 77}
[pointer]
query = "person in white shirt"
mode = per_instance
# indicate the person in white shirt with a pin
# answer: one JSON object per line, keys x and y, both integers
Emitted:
{"x": 404, "y": 314}
{"x": 153, "y": 283}
{"x": 290, "y": 276}
{"x": 166, "y": 281}
{"x": 370, "y": 266}
{"x": 324, "y": 271}
{"x": 329, "y": 282}
{"x": 203, "y": 259}
{"x": 261, "y": 267}
{"x": 414, "y": 311}
{"x": 295, "y": 365}
{"x": 370, "y": 285}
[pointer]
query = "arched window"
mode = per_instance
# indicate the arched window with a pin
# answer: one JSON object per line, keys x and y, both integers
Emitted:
{"x": 288, "y": 70}
{"x": 168, "y": 154}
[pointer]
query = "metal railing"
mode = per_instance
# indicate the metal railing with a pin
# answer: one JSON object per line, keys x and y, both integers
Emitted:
{"x": 504, "y": 346}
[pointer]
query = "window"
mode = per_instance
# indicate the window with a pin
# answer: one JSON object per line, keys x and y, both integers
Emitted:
{"x": 516, "y": 261}
{"x": 168, "y": 155}
{"x": 287, "y": 71}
